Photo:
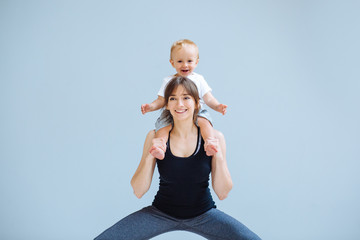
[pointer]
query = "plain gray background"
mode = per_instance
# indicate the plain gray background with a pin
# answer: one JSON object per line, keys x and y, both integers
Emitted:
{"x": 73, "y": 75}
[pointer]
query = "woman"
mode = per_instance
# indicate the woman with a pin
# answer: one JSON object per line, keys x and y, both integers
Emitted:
{"x": 183, "y": 201}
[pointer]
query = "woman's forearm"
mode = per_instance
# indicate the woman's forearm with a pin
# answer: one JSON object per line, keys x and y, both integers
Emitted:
{"x": 220, "y": 175}
{"x": 142, "y": 178}
{"x": 221, "y": 178}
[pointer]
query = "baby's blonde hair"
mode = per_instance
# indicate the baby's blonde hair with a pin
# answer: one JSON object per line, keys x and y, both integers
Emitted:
{"x": 182, "y": 43}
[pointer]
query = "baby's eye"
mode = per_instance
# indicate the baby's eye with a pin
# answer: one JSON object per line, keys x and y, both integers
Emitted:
{"x": 179, "y": 61}
{"x": 190, "y": 61}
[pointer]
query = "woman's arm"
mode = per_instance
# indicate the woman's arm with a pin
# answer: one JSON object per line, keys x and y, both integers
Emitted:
{"x": 141, "y": 180}
{"x": 220, "y": 175}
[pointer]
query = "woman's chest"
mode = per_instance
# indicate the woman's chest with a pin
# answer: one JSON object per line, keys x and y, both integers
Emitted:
{"x": 191, "y": 169}
{"x": 183, "y": 148}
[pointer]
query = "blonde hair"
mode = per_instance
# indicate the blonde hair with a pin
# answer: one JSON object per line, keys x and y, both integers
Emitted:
{"x": 181, "y": 43}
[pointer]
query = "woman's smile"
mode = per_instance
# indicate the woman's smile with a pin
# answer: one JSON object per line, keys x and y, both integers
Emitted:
{"x": 181, "y": 111}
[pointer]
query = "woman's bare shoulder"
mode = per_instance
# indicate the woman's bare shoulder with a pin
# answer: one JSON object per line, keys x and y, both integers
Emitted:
{"x": 151, "y": 134}
{"x": 219, "y": 134}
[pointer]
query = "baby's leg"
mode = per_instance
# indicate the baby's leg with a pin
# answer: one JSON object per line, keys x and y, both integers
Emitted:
{"x": 207, "y": 132}
{"x": 158, "y": 148}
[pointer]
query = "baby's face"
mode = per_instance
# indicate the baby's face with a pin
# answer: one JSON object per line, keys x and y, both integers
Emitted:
{"x": 184, "y": 59}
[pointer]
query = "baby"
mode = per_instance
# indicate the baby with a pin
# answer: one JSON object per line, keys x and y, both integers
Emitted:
{"x": 184, "y": 57}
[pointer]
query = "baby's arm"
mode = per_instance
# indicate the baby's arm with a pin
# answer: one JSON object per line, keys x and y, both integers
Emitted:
{"x": 211, "y": 101}
{"x": 155, "y": 105}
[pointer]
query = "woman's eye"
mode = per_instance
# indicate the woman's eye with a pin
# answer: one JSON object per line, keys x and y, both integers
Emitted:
{"x": 171, "y": 99}
{"x": 186, "y": 98}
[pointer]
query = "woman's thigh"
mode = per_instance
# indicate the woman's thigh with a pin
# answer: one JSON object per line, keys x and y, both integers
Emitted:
{"x": 217, "y": 225}
{"x": 143, "y": 224}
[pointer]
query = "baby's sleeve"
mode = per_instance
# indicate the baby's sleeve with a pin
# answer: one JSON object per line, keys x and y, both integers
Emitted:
{"x": 204, "y": 87}
{"x": 161, "y": 91}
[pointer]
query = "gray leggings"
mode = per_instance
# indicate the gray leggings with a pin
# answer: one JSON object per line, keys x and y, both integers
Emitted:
{"x": 150, "y": 222}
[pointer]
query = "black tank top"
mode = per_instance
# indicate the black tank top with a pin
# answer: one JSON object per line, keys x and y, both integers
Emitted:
{"x": 184, "y": 183}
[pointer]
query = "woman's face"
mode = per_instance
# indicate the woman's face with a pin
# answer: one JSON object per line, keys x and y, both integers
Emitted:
{"x": 181, "y": 104}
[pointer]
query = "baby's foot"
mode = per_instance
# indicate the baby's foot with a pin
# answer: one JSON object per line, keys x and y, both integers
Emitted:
{"x": 157, "y": 152}
{"x": 210, "y": 147}
{"x": 158, "y": 148}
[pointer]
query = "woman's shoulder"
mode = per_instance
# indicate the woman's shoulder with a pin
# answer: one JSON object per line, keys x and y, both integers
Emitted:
{"x": 219, "y": 134}
{"x": 150, "y": 136}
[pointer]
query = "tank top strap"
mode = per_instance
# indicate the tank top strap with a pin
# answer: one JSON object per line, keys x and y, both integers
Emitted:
{"x": 199, "y": 142}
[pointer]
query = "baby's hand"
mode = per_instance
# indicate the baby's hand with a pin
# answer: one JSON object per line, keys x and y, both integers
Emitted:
{"x": 221, "y": 108}
{"x": 145, "y": 108}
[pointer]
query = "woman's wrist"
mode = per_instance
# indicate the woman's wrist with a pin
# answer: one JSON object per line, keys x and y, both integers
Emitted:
{"x": 219, "y": 157}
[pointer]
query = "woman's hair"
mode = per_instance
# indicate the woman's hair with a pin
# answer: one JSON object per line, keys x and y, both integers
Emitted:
{"x": 190, "y": 89}
{"x": 181, "y": 43}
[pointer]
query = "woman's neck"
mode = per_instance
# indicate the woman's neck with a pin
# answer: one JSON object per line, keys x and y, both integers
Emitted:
{"x": 184, "y": 129}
